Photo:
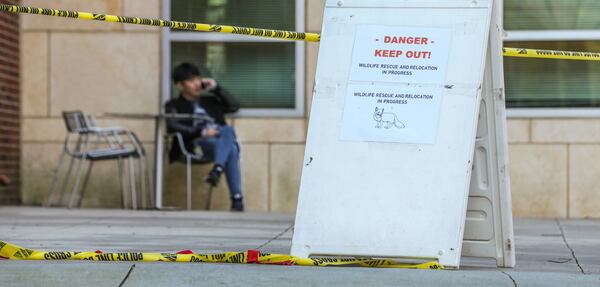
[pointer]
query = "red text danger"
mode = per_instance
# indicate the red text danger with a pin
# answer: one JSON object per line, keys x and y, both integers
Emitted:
{"x": 406, "y": 40}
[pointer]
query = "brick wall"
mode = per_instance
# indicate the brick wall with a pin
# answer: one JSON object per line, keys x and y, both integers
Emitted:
{"x": 9, "y": 107}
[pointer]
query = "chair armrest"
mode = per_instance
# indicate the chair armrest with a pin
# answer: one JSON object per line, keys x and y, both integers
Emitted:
{"x": 135, "y": 140}
{"x": 112, "y": 135}
{"x": 181, "y": 144}
{"x": 131, "y": 136}
{"x": 74, "y": 152}
{"x": 108, "y": 130}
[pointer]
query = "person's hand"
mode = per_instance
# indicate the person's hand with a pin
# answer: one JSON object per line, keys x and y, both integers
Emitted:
{"x": 209, "y": 132}
{"x": 208, "y": 84}
{"x": 4, "y": 180}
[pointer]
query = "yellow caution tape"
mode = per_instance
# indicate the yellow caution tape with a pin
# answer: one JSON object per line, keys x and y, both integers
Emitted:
{"x": 551, "y": 54}
{"x": 10, "y": 251}
{"x": 268, "y": 33}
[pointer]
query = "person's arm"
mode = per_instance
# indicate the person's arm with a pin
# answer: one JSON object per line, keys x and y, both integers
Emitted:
{"x": 230, "y": 104}
{"x": 175, "y": 125}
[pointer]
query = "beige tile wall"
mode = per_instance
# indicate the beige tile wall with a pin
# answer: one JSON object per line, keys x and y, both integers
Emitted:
{"x": 96, "y": 67}
{"x": 100, "y": 68}
{"x": 555, "y": 167}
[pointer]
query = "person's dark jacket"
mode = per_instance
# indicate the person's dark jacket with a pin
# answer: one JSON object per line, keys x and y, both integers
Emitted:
{"x": 216, "y": 105}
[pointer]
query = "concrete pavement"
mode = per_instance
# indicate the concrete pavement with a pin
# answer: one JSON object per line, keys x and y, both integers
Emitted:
{"x": 549, "y": 252}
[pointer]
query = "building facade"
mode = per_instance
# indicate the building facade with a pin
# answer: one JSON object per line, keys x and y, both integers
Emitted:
{"x": 113, "y": 68}
{"x": 553, "y": 108}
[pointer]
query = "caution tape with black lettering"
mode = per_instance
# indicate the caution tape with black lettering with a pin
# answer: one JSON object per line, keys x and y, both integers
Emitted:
{"x": 268, "y": 33}
{"x": 551, "y": 54}
{"x": 10, "y": 251}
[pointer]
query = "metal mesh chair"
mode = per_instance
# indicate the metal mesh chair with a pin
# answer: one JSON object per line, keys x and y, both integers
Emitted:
{"x": 108, "y": 145}
{"x": 75, "y": 124}
{"x": 112, "y": 135}
{"x": 189, "y": 159}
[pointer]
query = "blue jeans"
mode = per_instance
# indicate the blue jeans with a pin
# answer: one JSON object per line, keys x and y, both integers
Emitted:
{"x": 223, "y": 150}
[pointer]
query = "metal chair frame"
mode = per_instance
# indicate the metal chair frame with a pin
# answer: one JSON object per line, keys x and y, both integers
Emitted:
{"x": 190, "y": 159}
{"x": 83, "y": 128}
{"x": 144, "y": 172}
{"x": 75, "y": 127}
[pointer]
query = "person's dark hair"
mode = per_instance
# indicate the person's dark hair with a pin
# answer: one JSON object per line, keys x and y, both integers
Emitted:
{"x": 185, "y": 71}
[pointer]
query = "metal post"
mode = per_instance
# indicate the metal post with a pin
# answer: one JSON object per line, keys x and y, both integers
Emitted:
{"x": 189, "y": 182}
{"x": 132, "y": 184}
{"x": 158, "y": 161}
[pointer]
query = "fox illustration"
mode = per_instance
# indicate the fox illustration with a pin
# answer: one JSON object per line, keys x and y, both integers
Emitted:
{"x": 389, "y": 119}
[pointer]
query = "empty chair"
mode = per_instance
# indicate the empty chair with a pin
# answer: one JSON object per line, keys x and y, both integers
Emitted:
{"x": 113, "y": 136}
{"x": 108, "y": 144}
{"x": 75, "y": 124}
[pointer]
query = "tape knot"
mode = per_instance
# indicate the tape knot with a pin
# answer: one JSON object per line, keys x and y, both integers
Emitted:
{"x": 253, "y": 256}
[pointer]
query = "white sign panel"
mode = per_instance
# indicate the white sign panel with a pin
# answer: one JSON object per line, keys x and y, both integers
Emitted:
{"x": 395, "y": 113}
{"x": 419, "y": 84}
{"x": 391, "y": 114}
{"x": 400, "y": 54}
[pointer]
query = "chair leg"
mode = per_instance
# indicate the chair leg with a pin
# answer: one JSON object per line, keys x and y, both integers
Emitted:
{"x": 82, "y": 146}
{"x": 189, "y": 183}
{"x": 141, "y": 174}
{"x": 132, "y": 184}
{"x": 77, "y": 180}
{"x": 86, "y": 179}
{"x": 150, "y": 182}
{"x": 52, "y": 191}
{"x": 209, "y": 197}
{"x": 122, "y": 184}
{"x": 65, "y": 182}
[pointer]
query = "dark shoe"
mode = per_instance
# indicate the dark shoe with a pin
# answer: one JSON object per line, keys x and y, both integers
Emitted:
{"x": 237, "y": 203}
{"x": 214, "y": 175}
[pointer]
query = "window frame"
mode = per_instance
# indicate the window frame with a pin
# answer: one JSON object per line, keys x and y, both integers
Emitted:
{"x": 168, "y": 37}
{"x": 551, "y": 35}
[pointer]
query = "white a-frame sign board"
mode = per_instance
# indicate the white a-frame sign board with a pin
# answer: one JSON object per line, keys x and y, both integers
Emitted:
{"x": 489, "y": 228}
{"x": 396, "y": 131}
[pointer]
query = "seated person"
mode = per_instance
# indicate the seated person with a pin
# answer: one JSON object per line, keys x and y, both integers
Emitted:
{"x": 216, "y": 139}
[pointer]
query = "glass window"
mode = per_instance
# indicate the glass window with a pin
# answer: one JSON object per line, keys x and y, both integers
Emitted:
{"x": 260, "y": 73}
{"x": 269, "y": 14}
{"x": 551, "y": 14}
{"x": 548, "y": 83}
{"x": 552, "y": 83}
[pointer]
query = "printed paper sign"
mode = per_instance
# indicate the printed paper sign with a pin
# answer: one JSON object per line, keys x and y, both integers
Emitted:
{"x": 391, "y": 114}
{"x": 400, "y": 54}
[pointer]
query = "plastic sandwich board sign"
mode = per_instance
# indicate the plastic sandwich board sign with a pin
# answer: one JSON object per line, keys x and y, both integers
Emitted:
{"x": 393, "y": 130}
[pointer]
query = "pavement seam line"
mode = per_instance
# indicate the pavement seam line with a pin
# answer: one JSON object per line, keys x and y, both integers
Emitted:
{"x": 562, "y": 234}
{"x": 127, "y": 275}
{"x": 276, "y": 237}
{"x": 511, "y": 278}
